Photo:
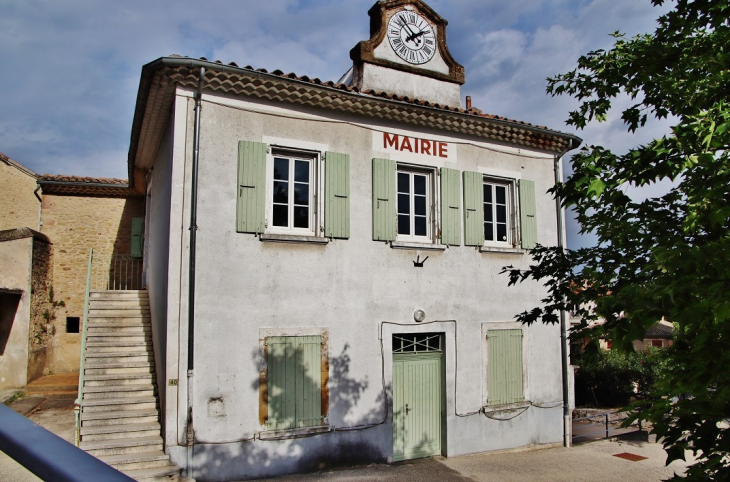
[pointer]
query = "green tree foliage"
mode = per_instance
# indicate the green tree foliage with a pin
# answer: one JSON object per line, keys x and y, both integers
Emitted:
{"x": 665, "y": 256}
{"x": 613, "y": 378}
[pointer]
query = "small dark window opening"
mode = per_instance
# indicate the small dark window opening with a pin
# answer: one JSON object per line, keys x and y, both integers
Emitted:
{"x": 72, "y": 324}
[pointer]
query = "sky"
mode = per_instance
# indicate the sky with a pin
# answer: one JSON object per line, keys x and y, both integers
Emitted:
{"x": 71, "y": 68}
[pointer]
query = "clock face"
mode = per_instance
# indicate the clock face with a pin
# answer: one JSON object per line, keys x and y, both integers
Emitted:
{"x": 411, "y": 37}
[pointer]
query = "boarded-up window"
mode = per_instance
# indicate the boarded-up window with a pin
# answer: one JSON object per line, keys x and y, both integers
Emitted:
{"x": 504, "y": 367}
{"x": 294, "y": 382}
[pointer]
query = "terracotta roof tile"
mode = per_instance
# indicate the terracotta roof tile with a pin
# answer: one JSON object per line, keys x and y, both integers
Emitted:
{"x": 386, "y": 95}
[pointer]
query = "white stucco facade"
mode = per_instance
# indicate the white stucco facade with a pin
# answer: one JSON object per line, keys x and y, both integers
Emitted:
{"x": 356, "y": 292}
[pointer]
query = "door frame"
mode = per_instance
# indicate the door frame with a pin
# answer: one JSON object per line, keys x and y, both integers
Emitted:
{"x": 448, "y": 330}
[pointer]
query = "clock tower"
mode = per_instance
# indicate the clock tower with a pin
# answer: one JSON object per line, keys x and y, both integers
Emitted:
{"x": 407, "y": 54}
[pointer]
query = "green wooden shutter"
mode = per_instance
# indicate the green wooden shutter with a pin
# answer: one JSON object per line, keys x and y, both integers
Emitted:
{"x": 450, "y": 207}
{"x": 528, "y": 210}
{"x": 337, "y": 195}
{"x": 309, "y": 381}
{"x": 383, "y": 200}
{"x": 282, "y": 363}
{"x": 250, "y": 206}
{"x": 504, "y": 378}
{"x": 137, "y": 240}
{"x": 294, "y": 382}
{"x": 473, "y": 208}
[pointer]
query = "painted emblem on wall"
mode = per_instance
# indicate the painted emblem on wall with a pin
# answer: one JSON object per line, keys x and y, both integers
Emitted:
{"x": 411, "y": 37}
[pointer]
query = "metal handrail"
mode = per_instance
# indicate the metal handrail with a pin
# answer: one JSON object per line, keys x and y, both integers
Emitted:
{"x": 117, "y": 272}
{"x": 606, "y": 423}
{"x": 82, "y": 359}
{"x": 49, "y": 456}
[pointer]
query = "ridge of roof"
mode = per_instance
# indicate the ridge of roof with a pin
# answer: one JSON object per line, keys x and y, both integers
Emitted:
{"x": 369, "y": 92}
{"x": 80, "y": 179}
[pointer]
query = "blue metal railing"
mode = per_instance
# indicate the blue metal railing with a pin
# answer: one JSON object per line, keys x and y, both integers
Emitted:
{"x": 49, "y": 456}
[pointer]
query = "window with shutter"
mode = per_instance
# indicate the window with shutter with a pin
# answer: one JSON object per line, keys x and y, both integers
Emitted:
{"x": 450, "y": 207}
{"x": 473, "y": 209}
{"x": 383, "y": 200}
{"x": 528, "y": 212}
{"x": 294, "y": 397}
{"x": 137, "y": 238}
{"x": 250, "y": 205}
{"x": 337, "y": 195}
{"x": 504, "y": 367}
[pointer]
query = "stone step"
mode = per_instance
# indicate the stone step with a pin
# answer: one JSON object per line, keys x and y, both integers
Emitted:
{"x": 119, "y": 391}
{"x": 125, "y": 369}
{"x": 94, "y": 313}
{"x": 112, "y": 432}
{"x": 119, "y": 417}
{"x": 111, "y": 347}
{"x": 170, "y": 473}
{"x": 118, "y": 379}
{"x": 142, "y": 460}
{"x": 104, "y": 337}
{"x": 122, "y": 362}
{"x": 98, "y": 304}
{"x": 102, "y": 320}
{"x": 93, "y": 355}
{"x": 122, "y": 403}
{"x": 118, "y": 328}
{"x": 122, "y": 446}
{"x": 112, "y": 294}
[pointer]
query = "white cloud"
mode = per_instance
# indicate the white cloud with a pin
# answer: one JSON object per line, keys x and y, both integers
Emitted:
{"x": 71, "y": 69}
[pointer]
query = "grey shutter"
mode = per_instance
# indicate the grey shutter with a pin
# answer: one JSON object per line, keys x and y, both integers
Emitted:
{"x": 251, "y": 195}
{"x": 137, "y": 239}
{"x": 450, "y": 207}
{"x": 337, "y": 195}
{"x": 473, "y": 208}
{"x": 528, "y": 211}
{"x": 383, "y": 200}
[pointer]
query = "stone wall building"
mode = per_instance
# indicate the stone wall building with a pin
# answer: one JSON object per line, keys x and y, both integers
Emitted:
{"x": 70, "y": 214}
{"x": 19, "y": 206}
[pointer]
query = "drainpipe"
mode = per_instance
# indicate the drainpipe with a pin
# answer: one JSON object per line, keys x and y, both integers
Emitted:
{"x": 40, "y": 205}
{"x": 565, "y": 364}
{"x": 190, "y": 434}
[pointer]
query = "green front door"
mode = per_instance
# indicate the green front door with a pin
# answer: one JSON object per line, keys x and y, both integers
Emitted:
{"x": 417, "y": 404}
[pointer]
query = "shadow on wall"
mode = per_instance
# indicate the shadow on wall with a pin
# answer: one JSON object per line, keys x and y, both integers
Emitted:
{"x": 293, "y": 400}
{"x": 8, "y": 308}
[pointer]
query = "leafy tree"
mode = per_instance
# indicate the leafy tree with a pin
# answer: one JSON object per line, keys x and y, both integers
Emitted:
{"x": 665, "y": 256}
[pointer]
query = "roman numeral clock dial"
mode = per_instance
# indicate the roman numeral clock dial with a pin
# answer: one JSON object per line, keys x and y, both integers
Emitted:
{"x": 411, "y": 37}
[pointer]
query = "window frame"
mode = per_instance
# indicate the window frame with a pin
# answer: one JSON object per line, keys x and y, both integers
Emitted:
{"x": 316, "y": 186}
{"x": 513, "y": 227}
{"x": 432, "y": 193}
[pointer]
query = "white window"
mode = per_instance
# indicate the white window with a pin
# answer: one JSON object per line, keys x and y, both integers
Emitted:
{"x": 293, "y": 192}
{"x": 499, "y": 212}
{"x": 414, "y": 206}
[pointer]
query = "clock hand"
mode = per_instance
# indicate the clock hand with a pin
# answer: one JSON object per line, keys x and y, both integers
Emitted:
{"x": 416, "y": 37}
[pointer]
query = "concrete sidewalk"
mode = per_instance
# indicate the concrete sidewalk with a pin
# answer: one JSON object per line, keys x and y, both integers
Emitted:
{"x": 594, "y": 461}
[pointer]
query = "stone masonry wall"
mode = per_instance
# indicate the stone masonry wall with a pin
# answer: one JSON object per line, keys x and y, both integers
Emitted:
{"x": 43, "y": 312}
{"x": 74, "y": 224}
{"x": 18, "y": 204}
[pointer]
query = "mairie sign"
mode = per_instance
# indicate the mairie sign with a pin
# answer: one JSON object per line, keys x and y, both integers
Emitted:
{"x": 414, "y": 146}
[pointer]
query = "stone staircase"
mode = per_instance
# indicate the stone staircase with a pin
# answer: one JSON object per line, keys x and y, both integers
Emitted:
{"x": 119, "y": 415}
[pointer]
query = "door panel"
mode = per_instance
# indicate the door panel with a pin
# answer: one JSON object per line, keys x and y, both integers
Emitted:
{"x": 417, "y": 405}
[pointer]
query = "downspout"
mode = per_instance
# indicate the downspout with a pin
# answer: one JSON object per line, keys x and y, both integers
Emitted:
{"x": 190, "y": 433}
{"x": 565, "y": 363}
{"x": 40, "y": 205}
